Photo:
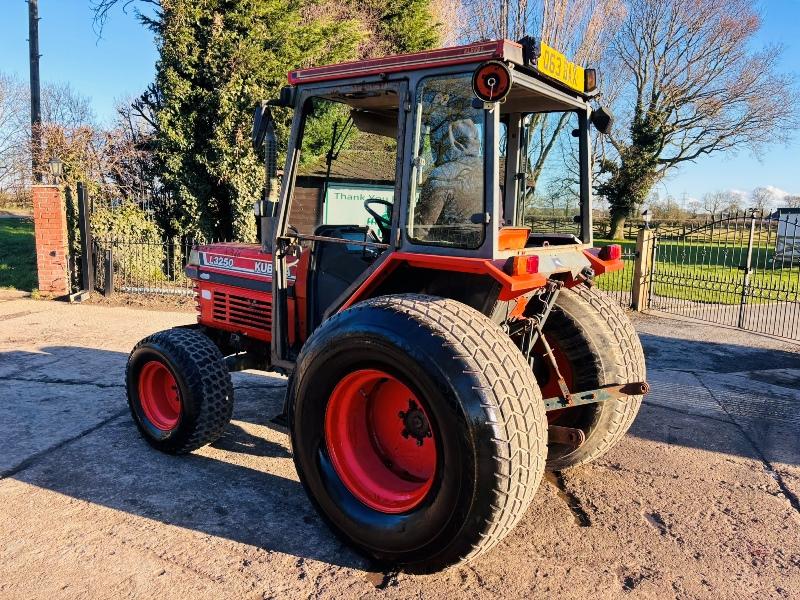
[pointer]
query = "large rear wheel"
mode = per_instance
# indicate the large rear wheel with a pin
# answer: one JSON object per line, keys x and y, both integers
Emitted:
{"x": 417, "y": 430}
{"x": 595, "y": 344}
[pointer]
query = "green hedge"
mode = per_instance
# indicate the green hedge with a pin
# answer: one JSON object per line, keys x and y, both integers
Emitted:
{"x": 138, "y": 245}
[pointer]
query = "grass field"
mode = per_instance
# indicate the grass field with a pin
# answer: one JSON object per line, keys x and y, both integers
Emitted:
{"x": 17, "y": 254}
{"x": 710, "y": 273}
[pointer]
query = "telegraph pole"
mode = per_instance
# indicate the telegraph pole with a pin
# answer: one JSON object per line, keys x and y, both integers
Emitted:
{"x": 36, "y": 103}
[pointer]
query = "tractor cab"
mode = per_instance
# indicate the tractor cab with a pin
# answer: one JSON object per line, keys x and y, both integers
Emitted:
{"x": 422, "y": 173}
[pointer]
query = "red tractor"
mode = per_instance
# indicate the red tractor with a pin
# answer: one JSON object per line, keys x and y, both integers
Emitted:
{"x": 440, "y": 355}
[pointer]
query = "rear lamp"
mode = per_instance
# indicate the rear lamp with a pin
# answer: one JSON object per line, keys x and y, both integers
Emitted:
{"x": 589, "y": 80}
{"x": 611, "y": 252}
{"x": 491, "y": 82}
{"x": 525, "y": 265}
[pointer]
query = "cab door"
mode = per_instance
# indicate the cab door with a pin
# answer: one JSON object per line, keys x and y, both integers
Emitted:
{"x": 340, "y": 204}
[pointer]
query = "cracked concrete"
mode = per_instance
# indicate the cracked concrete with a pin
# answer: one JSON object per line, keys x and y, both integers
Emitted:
{"x": 698, "y": 501}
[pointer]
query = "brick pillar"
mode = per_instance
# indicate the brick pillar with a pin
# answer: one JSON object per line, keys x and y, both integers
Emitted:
{"x": 50, "y": 223}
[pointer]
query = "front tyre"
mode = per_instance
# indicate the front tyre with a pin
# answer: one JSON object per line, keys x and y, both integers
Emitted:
{"x": 418, "y": 430}
{"x": 179, "y": 390}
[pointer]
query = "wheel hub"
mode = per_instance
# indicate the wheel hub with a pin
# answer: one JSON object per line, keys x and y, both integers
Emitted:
{"x": 159, "y": 396}
{"x": 415, "y": 424}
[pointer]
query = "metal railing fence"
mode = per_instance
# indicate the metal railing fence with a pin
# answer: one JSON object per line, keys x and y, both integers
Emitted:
{"x": 742, "y": 270}
{"x": 142, "y": 267}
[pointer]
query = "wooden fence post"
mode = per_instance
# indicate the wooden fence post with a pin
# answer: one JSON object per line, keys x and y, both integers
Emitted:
{"x": 642, "y": 270}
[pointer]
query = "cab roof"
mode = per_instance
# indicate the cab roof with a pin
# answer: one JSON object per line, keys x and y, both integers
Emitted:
{"x": 456, "y": 55}
{"x": 538, "y": 60}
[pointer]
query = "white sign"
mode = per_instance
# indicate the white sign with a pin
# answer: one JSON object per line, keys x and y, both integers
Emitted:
{"x": 344, "y": 204}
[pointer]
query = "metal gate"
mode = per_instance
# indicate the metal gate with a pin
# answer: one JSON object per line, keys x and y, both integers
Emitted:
{"x": 741, "y": 270}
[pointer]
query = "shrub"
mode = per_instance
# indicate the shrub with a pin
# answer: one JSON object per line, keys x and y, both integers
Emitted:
{"x": 136, "y": 242}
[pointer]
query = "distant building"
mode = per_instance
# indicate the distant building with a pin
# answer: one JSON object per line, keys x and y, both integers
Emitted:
{"x": 335, "y": 194}
{"x": 787, "y": 243}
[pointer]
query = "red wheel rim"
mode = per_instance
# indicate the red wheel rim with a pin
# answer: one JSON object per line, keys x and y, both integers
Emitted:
{"x": 551, "y": 388}
{"x": 159, "y": 395}
{"x": 380, "y": 441}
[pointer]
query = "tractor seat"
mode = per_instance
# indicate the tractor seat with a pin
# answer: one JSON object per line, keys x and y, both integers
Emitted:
{"x": 337, "y": 265}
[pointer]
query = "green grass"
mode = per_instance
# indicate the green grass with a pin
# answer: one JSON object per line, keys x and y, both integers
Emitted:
{"x": 17, "y": 254}
{"x": 710, "y": 273}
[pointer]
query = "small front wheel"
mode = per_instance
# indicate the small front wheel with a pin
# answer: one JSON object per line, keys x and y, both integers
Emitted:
{"x": 179, "y": 390}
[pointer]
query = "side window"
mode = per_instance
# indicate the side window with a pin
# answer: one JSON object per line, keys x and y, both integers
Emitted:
{"x": 346, "y": 175}
{"x": 551, "y": 194}
{"x": 448, "y": 204}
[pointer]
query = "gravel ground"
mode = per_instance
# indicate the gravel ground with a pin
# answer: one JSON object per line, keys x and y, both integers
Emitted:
{"x": 700, "y": 500}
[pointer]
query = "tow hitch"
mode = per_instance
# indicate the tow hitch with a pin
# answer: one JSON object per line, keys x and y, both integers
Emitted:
{"x": 603, "y": 394}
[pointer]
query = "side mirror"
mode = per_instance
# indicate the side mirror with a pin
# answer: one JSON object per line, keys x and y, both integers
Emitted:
{"x": 262, "y": 119}
{"x": 286, "y": 97}
{"x": 602, "y": 119}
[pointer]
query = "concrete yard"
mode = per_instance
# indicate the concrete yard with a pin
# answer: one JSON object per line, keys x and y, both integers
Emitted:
{"x": 699, "y": 501}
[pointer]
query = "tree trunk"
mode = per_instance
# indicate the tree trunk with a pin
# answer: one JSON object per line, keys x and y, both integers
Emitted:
{"x": 617, "y": 225}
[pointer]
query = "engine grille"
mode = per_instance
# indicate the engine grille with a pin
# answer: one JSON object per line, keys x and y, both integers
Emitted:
{"x": 242, "y": 311}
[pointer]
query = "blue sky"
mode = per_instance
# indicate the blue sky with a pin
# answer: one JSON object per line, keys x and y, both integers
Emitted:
{"x": 121, "y": 64}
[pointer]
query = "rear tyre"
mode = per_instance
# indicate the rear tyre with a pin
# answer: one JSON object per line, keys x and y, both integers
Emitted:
{"x": 417, "y": 429}
{"x": 179, "y": 390}
{"x": 595, "y": 344}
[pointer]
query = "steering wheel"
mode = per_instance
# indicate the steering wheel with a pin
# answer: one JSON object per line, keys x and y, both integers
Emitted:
{"x": 383, "y": 223}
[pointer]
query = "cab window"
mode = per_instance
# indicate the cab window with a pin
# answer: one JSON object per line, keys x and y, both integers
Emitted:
{"x": 550, "y": 196}
{"x": 345, "y": 180}
{"x": 447, "y": 205}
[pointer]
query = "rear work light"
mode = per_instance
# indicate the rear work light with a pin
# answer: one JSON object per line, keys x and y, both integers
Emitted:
{"x": 525, "y": 265}
{"x": 612, "y": 252}
{"x": 491, "y": 82}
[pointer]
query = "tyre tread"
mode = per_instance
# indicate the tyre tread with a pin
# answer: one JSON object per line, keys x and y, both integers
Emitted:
{"x": 601, "y": 311}
{"x": 516, "y": 410}
{"x": 205, "y": 373}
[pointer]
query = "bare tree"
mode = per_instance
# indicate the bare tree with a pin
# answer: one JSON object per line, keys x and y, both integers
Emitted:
{"x": 14, "y": 126}
{"x": 693, "y": 87}
{"x": 764, "y": 199}
{"x": 65, "y": 106}
{"x": 715, "y": 202}
{"x": 723, "y": 201}
{"x": 147, "y": 11}
{"x": 791, "y": 201}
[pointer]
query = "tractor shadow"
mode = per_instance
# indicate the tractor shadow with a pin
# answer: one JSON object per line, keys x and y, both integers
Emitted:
{"x": 81, "y": 442}
{"x": 64, "y": 427}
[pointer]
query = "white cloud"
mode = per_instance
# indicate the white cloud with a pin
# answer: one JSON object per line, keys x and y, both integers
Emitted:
{"x": 776, "y": 192}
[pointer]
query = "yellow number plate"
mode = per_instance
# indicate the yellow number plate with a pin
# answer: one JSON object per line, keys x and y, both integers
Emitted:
{"x": 554, "y": 64}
